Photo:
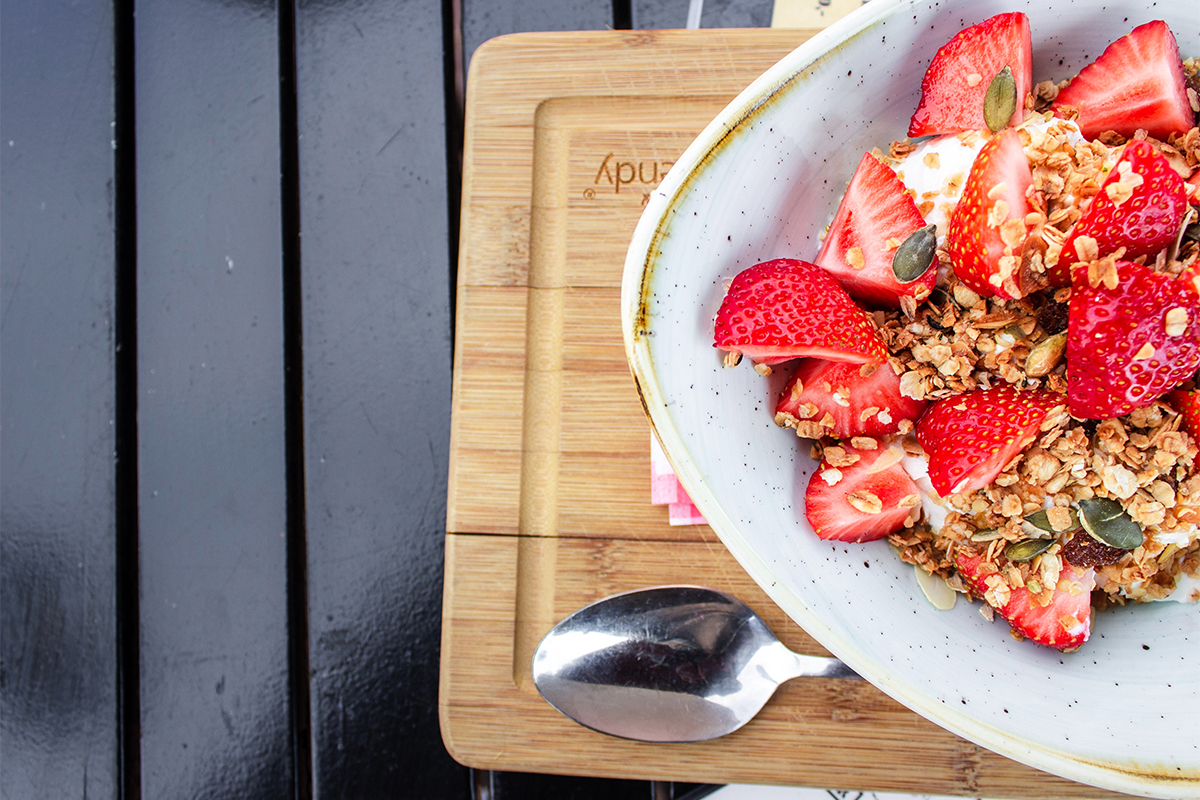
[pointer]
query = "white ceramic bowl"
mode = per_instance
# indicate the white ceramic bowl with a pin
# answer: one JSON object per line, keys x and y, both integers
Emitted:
{"x": 761, "y": 182}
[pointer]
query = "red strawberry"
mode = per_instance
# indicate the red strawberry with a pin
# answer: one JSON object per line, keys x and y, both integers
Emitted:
{"x": 1064, "y": 624}
{"x": 1187, "y": 403}
{"x": 875, "y": 216}
{"x": 1136, "y": 83}
{"x": 1190, "y": 278}
{"x": 862, "y": 399}
{"x": 1129, "y": 345}
{"x": 953, "y": 88}
{"x": 970, "y": 438}
{"x": 1140, "y": 207}
{"x": 987, "y": 227}
{"x": 864, "y": 501}
{"x": 785, "y": 309}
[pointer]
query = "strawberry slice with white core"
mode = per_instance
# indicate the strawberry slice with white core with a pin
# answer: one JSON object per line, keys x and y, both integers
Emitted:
{"x": 954, "y": 86}
{"x": 987, "y": 228}
{"x": 1137, "y": 82}
{"x": 972, "y": 437}
{"x": 859, "y": 399}
{"x": 1064, "y": 623}
{"x": 1140, "y": 207}
{"x": 1130, "y": 339}
{"x": 860, "y": 495}
{"x": 784, "y": 309}
{"x": 876, "y": 215}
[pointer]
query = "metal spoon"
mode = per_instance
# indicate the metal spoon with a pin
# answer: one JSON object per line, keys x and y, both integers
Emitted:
{"x": 668, "y": 664}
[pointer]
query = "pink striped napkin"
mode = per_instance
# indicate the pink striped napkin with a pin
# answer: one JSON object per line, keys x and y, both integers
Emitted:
{"x": 666, "y": 490}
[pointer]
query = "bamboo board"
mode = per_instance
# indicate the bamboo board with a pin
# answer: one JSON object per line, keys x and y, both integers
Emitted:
{"x": 549, "y": 492}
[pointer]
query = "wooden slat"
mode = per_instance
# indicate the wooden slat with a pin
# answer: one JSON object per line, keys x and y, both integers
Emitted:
{"x": 376, "y": 310}
{"x": 58, "y": 697}
{"x": 215, "y": 700}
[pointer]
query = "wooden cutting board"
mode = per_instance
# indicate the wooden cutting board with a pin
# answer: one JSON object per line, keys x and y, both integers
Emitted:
{"x": 549, "y": 475}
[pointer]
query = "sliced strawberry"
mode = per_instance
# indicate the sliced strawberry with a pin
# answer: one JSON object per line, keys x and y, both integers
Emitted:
{"x": 861, "y": 399}
{"x": 1187, "y": 403}
{"x": 876, "y": 215}
{"x": 1137, "y": 82}
{"x": 958, "y": 77}
{"x": 1190, "y": 278}
{"x": 784, "y": 309}
{"x": 1140, "y": 207}
{"x": 987, "y": 228}
{"x": 863, "y": 501}
{"x": 1064, "y": 624}
{"x": 970, "y": 438}
{"x": 1129, "y": 345}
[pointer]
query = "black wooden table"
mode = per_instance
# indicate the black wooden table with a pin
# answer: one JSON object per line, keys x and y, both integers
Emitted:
{"x": 227, "y": 257}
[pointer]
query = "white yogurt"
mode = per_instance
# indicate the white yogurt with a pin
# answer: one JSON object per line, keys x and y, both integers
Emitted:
{"x": 936, "y": 171}
{"x": 1187, "y": 590}
{"x": 932, "y": 504}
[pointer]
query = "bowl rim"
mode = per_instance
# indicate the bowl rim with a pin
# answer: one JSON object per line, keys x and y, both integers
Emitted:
{"x": 635, "y": 294}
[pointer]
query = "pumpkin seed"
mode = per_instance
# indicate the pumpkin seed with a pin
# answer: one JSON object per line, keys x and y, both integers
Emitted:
{"x": 1015, "y": 331}
{"x": 1027, "y": 549}
{"x": 1040, "y": 520}
{"x": 1045, "y": 355}
{"x": 915, "y": 255}
{"x": 986, "y": 535}
{"x": 1034, "y": 532}
{"x": 1037, "y": 524}
{"x": 1000, "y": 101}
{"x": 1106, "y": 521}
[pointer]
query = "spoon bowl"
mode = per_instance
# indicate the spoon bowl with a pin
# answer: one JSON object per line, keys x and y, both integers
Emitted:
{"x": 667, "y": 664}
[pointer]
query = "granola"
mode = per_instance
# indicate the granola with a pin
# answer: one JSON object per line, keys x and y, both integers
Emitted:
{"x": 958, "y": 341}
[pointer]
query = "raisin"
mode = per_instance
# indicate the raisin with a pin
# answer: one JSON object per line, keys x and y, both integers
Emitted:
{"x": 1192, "y": 80}
{"x": 1052, "y": 316}
{"x": 1081, "y": 550}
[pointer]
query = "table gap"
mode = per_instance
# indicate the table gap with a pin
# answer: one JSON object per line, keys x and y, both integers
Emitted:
{"x": 622, "y": 15}
{"x": 125, "y": 418}
{"x": 293, "y": 364}
{"x": 454, "y": 75}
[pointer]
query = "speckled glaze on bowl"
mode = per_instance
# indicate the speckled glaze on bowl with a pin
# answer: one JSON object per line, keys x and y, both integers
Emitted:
{"x": 761, "y": 182}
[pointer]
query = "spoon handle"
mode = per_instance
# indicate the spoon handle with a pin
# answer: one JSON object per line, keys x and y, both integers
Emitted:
{"x": 821, "y": 667}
